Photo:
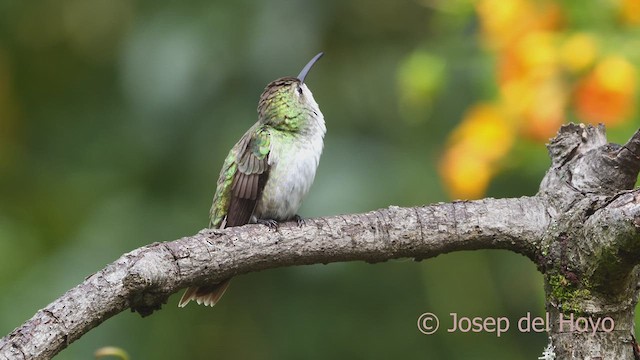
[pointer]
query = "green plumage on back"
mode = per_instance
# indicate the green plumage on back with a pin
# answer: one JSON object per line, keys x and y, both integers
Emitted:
{"x": 222, "y": 197}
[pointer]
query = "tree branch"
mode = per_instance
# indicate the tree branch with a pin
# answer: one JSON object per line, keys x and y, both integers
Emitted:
{"x": 593, "y": 246}
{"x": 582, "y": 230}
{"x": 144, "y": 278}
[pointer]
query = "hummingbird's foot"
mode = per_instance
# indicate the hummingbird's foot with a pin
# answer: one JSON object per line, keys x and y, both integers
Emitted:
{"x": 272, "y": 224}
{"x": 299, "y": 220}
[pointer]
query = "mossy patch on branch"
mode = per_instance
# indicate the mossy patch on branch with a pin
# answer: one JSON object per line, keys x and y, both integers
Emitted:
{"x": 569, "y": 295}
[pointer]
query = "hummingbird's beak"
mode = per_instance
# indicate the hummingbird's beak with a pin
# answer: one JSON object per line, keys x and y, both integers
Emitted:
{"x": 305, "y": 70}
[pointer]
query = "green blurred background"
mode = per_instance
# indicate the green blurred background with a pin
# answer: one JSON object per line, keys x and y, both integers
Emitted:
{"x": 116, "y": 115}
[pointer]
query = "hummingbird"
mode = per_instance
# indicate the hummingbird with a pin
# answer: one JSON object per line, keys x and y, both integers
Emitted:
{"x": 270, "y": 170}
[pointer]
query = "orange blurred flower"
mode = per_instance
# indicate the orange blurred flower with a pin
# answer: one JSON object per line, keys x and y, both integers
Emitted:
{"x": 534, "y": 54}
{"x": 536, "y": 103}
{"x": 606, "y": 95}
{"x": 484, "y": 137}
{"x": 504, "y": 21}
{"x": 630, "y": 11}
{"x": 537, "y": 66}
{"x": 529, "y": 84}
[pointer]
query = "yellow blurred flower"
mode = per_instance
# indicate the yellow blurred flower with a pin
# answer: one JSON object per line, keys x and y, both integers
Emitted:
{"x": 504, "y": 21}
{"x": 482, "y": 139}
{"x": 617, "y": 74}
{"x": 501, "y": 20}
{"x": 536, "y": 103}
{"x": 578, "y": 51}
{"x": 533, "y": 60}
{"x": 534, "y": 55}
{"x": 545, "y": 113}
{"x": 485, "y": 131}
{"x": 537, "y": 50}
{"x": 465, "y": 177}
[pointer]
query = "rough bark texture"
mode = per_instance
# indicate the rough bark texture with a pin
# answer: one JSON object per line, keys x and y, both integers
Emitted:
{"x": 581, "y": 229}
{"x": 592, "y": 247}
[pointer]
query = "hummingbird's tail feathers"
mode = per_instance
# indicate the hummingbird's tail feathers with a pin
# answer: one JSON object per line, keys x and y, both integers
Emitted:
{"x": 204, "y": 295}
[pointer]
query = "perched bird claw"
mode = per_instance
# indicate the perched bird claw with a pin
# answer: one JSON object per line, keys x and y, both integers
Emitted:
{"x": 299, "y": 220}
{"x": 272, "y": 224}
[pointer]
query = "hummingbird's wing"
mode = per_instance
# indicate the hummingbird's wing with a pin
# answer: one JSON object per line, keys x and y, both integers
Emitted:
{"x": 242, "y": 180}
{"x": 250, "y": 178}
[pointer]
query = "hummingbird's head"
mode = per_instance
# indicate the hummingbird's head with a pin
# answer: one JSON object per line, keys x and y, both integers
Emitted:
{"x": 288, "y": 104}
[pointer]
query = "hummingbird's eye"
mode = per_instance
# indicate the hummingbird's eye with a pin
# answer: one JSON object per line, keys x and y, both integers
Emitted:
{"x": 300, "y": 90}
